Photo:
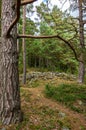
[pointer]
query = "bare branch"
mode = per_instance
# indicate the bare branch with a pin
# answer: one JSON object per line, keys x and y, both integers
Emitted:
{"x": 52, "y": 36}
{"x": 16, "y": 18}
{"x": 36, "y": 37}
{"x": 24, "y": 2}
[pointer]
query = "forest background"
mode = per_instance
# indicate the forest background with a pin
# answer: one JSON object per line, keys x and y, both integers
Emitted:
{"x": 49, "y": 54}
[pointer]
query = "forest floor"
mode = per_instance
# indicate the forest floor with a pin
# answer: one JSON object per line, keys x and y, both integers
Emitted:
{"x": 42, "y": 113}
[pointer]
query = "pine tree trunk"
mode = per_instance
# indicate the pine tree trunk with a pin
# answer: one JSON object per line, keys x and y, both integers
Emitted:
{"x": 81, "y": 72}
{"x": 10, "y": 109}
{"x": 82, "y": 45}
{"x": 24, "y": 46}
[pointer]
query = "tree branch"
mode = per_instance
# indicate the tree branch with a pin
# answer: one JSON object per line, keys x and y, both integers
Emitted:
{"x": 16, "y": 18}
{"x": 18, "y": 4}
{"x": 36, "y": 37}
{"x": 52, "y": 36}
{"x": 24, "y": 2}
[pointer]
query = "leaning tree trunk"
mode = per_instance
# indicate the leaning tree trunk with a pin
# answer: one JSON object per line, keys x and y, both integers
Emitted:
{"x": 82, "y": 45}
{"x": 10, "y": 110}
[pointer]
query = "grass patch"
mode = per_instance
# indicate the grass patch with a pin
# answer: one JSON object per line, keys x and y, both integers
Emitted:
{"x": 72, "y": 95}
{"x": 25, "y": 94}
{"x": 44, "y": 116}
{"x": 34, "y": 84}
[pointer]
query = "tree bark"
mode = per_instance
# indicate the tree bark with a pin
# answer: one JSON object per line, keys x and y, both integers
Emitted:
{"x": 82, "y": 46}
{"x": 10, "y": 108}
{"x": 17, "y": 41}
{"x": 81, "y": 72}
{"x": 24, "y": 45}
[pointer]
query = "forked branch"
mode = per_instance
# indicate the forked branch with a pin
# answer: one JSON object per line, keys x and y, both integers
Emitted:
{"x": 15, "y": 19}
{"x": 18, "y": 5}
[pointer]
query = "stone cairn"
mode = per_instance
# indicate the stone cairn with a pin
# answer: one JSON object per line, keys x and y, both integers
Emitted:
{"x": 48, "y": 75}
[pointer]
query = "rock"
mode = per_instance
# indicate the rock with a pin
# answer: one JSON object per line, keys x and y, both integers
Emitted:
{"x": 65, "y": 128}
{"x": 80, "y": 102}
{"x": 3, "y": 128}
{"x": 47, "y": 75}
{"x": 61, "y": 114}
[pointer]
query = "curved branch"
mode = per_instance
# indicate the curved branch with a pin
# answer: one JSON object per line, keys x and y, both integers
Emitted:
{"x": 16, "y": 18}
{"x": 24, "y": 2}
{"x": 52, "y": 36}
{"x": 71, "y": 47}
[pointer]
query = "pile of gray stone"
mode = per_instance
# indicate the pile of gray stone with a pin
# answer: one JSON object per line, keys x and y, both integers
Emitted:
{"x": 49, "y": 75}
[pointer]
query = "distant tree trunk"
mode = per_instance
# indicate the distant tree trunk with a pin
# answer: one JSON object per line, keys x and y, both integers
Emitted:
{"x": 10, "y": 110}
{"x": 35, "y": 62}
{"x": 39, "y": 62}
{"x": 82, "y": 46}
{"x": 24, "y": 46}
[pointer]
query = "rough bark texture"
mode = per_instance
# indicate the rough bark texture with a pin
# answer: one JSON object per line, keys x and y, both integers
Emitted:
{"x": 81, "y": 33}
{"x": 24, "y": 46}
{"x": 10, "y": 110}
{"x": 17, "y": 41}
{"x": 81, "y": 72}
